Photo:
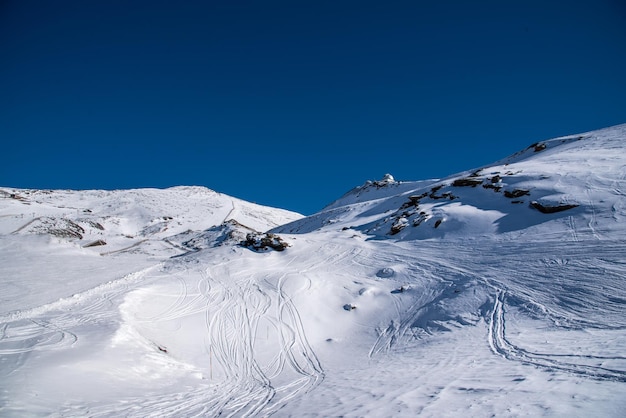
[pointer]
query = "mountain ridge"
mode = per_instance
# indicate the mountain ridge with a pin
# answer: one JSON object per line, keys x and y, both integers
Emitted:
{"x": 482, "y": 201}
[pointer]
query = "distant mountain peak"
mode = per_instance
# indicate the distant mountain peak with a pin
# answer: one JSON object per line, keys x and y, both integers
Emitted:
{"x": 387, "y": 178}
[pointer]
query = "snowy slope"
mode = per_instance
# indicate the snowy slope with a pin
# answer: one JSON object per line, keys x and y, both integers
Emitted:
{"x": 432, "y": 298}
{"x": 57, "y": 228}
{"x": 579, "y": 176}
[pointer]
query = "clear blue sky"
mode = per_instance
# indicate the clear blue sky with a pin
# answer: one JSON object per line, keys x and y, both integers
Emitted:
{"x": 292, "y": 103}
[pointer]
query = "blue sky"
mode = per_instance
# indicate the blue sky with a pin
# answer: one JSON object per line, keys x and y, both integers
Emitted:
{"x": 292, "y": 103}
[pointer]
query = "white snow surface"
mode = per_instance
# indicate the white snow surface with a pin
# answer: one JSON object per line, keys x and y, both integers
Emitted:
{"x": 446, "y": 297}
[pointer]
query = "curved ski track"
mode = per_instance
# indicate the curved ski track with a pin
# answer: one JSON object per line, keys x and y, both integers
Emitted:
{"x": 233, "y": 302}
{"x": 578, "y": 301}
{"x": 501, "y": 346}
{"x": 237, "y": 302}
{"x": 48, "y": 327}
{"x": 234, "y": 310}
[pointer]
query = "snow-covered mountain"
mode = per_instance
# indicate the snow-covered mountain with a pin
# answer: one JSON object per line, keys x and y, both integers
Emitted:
{"x": 563, "y": 186}
{"x": 45, "y": 231}
{"x": 499, "y": 291}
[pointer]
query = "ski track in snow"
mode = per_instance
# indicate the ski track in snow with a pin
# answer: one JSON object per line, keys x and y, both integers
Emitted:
{"x": 229, "y": 332}
{"x": 523, "y": 287}
{"x": 235, "y": 300}
{"x": 233, "y": 304}
{"x": 48, "y": 327}
{"x": 500, "y": 345}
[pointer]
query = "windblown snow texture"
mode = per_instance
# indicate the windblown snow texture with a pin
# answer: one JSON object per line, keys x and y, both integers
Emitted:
{"x": 495, "y": 291}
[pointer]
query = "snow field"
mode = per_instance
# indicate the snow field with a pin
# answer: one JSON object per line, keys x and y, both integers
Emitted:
{"x": 228, "y": 338}
{"x": 399, "y": 299}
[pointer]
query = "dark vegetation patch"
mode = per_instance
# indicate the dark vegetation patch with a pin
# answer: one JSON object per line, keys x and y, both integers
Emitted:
{"x": 551, "y": 209}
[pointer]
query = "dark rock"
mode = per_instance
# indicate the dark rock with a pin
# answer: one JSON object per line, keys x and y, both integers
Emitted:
{"x": 399, "y": 225}
{"x": 551, "y": 209}
{"x": 416, "y": 198}
{"x": 96, "y": 243}
{"x": 263, "y": 242}
{"x": 538, "y": 147}
{"x": 516, "y": 193}
{"x": 385, "y": 273}
{"x": 433, "y": 193}
{"x": 466, "y": 182}
{"x": 493, "y": 187}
